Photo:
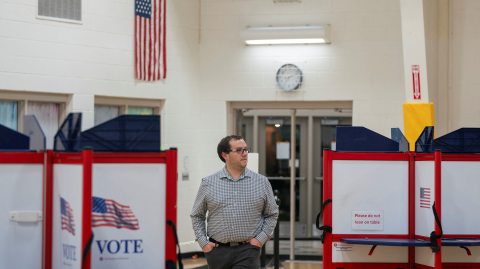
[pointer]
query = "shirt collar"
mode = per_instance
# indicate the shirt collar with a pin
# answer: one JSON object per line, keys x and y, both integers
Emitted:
{"x": 225, "y": 174}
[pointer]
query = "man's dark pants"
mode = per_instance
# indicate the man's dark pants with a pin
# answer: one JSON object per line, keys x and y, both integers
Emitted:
{"x": 236, "y": 257}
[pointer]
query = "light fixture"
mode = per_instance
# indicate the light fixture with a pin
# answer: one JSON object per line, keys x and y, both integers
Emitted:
{"x": 285, "y": 41}
{"x": 286, "y": 35}
{"x": 277, "y": 122}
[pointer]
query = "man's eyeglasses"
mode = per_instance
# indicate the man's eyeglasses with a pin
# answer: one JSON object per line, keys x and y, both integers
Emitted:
{"x": 240, "y": 151}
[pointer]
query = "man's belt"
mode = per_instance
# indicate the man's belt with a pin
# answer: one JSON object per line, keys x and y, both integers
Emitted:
{"x": 230, "y": 244}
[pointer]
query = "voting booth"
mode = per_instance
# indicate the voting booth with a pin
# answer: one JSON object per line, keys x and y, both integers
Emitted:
{"x": 103, "y": 198}
{"x": 385, "y": 207}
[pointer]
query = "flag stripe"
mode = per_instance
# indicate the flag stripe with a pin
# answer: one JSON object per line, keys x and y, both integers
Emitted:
{"x": 112, "y": 214}
{"x": 112, "y": 217}
{"x": 109, "y": 225}
{"x": 137, "y": 47}
{"x": 164, "y": 39}
{"x": 424, "y": 197}
{"x": 157, "y": 29}
{"x": 155, "y": 49}
{"x": 152, "y": 37}
{"x": 144, "y": 30}
{"x": 115, "y": 202}
{"x": 116, "y": 221}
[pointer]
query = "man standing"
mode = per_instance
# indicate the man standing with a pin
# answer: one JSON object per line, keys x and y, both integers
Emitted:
{"x": 242, "y": 212}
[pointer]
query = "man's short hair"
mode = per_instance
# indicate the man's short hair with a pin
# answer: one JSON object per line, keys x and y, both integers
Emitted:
{"x": 224, "y": 145}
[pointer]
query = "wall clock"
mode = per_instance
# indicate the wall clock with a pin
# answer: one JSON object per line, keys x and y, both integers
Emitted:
{"x": 289, "y": 77}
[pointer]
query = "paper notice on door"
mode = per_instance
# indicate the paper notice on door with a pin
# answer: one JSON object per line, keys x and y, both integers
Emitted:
{"x": 367, "y": 220}
{"x": 283, "y": 150}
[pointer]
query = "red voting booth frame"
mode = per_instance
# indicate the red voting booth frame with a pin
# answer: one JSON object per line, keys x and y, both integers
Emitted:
{"x": 412, "y": 158}
{"x": 87, "y": 158}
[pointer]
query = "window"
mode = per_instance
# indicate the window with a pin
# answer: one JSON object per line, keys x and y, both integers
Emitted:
{"x": 69, "y": 10}
{"x": 134, "y": 110}
{"x": 47, "y": 117}
{"x": 9, "y": 114}
{"x": 105, "y": 113}
{"x": 49, "y": 110}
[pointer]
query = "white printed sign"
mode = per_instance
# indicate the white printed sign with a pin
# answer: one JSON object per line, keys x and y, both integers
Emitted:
{"x": 337, "y": 246}
{"x": 134, "y": 196}
{"x": 67, "y": 216}
{"x": 283, "y": 151}
{"x": 367, "y": 220}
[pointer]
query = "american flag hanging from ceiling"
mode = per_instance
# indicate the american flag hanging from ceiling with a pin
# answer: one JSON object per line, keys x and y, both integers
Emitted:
{"x": 150, "y": 60}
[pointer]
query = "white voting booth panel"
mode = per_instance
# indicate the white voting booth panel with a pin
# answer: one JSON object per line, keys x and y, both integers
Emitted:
{"x": 460, "y": 198}
{"x": 460, "y": 201}
{"x": 459, "y": 256}
{"x": 370, "y": 188}
{"x": 424, "y": 222}
{"x": 424, "y": 218}
{"x": 136, "y": 240}
{"x": 21, "y": 190}
{"x": 424, "y": 179}
{"x": 67, "y": 216}
{"x": 370, "y": 198}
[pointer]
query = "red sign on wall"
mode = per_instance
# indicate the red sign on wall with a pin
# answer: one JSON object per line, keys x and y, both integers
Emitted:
{"x": 416, "y": 82}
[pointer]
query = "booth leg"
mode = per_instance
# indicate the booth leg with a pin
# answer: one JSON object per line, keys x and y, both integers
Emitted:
{"x": 87, "y": 236}
{"x": 438, "y": 205}
{"x": 327, "y": 213}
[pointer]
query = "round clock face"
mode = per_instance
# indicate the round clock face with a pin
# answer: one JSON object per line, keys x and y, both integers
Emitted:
{"x": 289, "y": 77}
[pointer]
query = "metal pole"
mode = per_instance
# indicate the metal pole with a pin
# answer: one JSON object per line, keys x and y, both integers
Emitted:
{"x": 255, "y": 133}
{"x": 310, "y": 176}
{"x": 292, "y": 183}
{"x": 276, "y": 246}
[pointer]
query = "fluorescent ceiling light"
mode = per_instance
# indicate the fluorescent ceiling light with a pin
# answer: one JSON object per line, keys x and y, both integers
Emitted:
{"x": 285, "y": 41}
{"x": 286, "y": 35}
{"x": 285, "y": 28}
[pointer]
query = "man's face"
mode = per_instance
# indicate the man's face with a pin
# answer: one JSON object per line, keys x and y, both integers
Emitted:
{"x": 232, "y": 158}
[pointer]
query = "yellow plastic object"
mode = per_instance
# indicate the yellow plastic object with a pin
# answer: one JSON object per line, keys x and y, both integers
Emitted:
{"x": 416, "y": 116}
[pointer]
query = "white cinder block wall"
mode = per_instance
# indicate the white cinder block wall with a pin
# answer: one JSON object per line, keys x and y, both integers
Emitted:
{"x": 463, "y": 99}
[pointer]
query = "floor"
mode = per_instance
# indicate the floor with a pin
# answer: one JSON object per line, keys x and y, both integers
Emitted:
{"x": 201, "y": 262}
{"x": 304, "y": 248}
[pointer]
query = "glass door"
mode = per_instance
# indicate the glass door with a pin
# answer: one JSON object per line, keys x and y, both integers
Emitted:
{"x": 277, "y": 158}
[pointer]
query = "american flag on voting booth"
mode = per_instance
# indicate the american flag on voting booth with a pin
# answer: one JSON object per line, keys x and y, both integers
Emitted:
{"x": 425, "y": 197}
{"x": 109, "y": 213}
{"x": 68, "y": 222}
{"x": 150, "y": 50}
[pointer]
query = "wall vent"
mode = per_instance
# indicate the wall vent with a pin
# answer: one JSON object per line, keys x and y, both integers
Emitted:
{"x": 68, "y": 10}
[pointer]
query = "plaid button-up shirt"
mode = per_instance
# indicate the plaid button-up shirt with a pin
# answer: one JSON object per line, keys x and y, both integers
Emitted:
{"x": 238, "y": 210}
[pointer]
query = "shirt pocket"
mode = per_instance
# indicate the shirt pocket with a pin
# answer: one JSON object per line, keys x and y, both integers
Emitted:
{"x": 256, "y": 203}
{"x": 216, "y": 203}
